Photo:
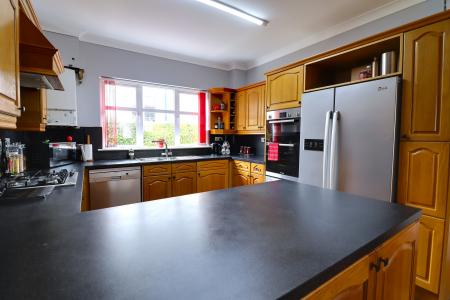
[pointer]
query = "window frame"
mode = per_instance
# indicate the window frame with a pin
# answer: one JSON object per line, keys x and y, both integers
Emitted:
{"x": 140, "y": 110}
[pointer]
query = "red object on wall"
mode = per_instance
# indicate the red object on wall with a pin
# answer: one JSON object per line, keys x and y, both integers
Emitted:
{"x": 202, "y": 117}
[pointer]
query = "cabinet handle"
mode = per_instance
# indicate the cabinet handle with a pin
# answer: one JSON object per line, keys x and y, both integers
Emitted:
{"x": 198, "y": 174}
{"x": 170, "y": 177}
{"x": 385, "y": 261}
{"x": 375, "y": 266}
{"x": 22, "y": 109}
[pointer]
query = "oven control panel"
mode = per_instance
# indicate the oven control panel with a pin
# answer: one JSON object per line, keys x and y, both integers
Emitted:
{"x": 313, "y": 145}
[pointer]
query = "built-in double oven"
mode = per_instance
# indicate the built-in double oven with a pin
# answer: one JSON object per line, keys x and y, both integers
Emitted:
{"x": 283, "y": 143}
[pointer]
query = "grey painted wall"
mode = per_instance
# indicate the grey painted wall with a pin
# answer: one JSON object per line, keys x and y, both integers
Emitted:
{"x": 106, "y": 61}
{"x": 410, "y": 14}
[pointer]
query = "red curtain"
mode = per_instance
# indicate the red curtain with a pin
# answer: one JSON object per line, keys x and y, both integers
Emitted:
{"x": 202, "y": 117}
{"x": 108, "y": 112}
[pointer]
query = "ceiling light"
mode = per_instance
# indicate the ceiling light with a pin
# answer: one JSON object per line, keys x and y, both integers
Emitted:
{"x": 234, "y": 11}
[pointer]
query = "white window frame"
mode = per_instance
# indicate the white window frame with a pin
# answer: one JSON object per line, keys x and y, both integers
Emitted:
{"x": 140, "y": 110}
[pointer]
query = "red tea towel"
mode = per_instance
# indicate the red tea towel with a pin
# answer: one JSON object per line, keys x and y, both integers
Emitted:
{"x": 273, "y": 152}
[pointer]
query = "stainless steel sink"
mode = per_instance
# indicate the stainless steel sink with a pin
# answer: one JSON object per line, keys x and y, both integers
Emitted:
{"x": 170, "y": 158}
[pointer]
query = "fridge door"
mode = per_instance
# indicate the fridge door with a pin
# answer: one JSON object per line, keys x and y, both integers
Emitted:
{"x": 367, "y": 137}
{"x": 315, "y": 107}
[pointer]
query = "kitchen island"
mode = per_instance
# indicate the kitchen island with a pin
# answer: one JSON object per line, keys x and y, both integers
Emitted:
{"x": 272, "y": 240}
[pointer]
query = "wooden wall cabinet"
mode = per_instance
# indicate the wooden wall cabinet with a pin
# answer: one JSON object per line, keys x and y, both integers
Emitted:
{"x": 9, "y": 64}
{"x": 385, "y": 274}
{"x": 212, "y": 175}
{"x": 34, "y": 115}
{"x": 285, "y": 88}
{"x": 251, "y": 109}
{"x": 426, "y": 88}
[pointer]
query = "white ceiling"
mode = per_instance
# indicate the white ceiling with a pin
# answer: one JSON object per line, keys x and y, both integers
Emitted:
{"x": 188, "y": 30}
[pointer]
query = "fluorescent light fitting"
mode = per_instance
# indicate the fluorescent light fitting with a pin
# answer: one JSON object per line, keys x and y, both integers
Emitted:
{"x": 234, "y": 11}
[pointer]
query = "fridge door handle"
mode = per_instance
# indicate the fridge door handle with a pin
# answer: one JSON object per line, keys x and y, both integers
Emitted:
{"x": 326, "y": 150}
{"x": 334, "y": 152}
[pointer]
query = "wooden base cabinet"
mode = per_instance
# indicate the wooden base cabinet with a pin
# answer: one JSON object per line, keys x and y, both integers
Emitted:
{"x": 240, "y": 178}
{"x": 157, "y": 187}
{"x": 184, "y": 183}
{"x": 246, "y": 173}
{"x": 212, "y": 175}
{"x": 385, "y": 274}
{"x": 429, "y": 256}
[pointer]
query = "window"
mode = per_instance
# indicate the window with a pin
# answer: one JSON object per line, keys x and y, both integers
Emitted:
{"x": 136, "y": 114}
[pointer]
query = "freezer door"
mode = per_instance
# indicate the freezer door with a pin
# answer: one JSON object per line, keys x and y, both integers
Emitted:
{"x": 367, "y": 137}
{"x": 315, "y": 106}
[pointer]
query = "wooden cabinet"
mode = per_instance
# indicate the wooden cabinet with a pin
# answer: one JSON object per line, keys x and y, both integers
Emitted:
{"x": 251, "y": 109}
{"x": 34, "y": 117}
{"x": 184, "y": 183}
{"x": 284, "y": 89}
{"x": 385, "y": 274}
{"x": 212, "y": 175}
{"x": 424, "y": 176}
{"x": 429, "y": 253}
{"x": 426, "y": 88}
{"x": 157, "y": 187}
{"x": 245, "y": 173}
{"x": 169, "y": 180}
{"x": 9, "y": 63}
{"x": 352, "y": 284}
{"x": 239, "y": 178}
{"x": 257, "y": 178}
{"x": 241, "y": 111}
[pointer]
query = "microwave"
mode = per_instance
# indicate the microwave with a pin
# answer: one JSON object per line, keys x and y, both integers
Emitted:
{"x": 50, "y": 155}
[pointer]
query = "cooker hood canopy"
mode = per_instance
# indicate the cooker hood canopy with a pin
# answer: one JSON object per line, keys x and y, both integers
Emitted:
{"x": 40, "y": 62}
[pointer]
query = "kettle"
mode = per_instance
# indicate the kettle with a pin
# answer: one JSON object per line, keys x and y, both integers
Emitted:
{"x": 216, "y": 148}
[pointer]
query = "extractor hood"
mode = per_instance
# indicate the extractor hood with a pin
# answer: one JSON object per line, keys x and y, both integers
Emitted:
{"x": 40, "y": 63}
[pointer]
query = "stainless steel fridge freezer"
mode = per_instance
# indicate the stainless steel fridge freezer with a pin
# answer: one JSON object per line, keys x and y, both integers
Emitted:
{"x": 349, "y": 138}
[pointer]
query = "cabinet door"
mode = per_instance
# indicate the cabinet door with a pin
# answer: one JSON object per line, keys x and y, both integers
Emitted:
{"x": 254, "y": 103}
{"x": 395, "y": 280}
{"x": 9, "y": 63}
{"x": 429, "y": 253}
{"x": 285, "y": 88}
{"x": 34, "y": 118}
{"x": 157, "y": 187}
{"x": 184, "y": 183}
{"x": 241, "y": 110}
{"x": 423, "y": 176}
{"x": 257, "y": 178}
{"x": 210, "y": 180}
{"x": 239, "y": 178}
{"x": 426, "y": 92}
{"x": 352, "y": 284}
{"x": 262, "y": 109}
{"x": 157, "y": 169}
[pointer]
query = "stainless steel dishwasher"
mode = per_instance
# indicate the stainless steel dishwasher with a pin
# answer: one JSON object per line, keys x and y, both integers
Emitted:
{"x": 113, "y": 187}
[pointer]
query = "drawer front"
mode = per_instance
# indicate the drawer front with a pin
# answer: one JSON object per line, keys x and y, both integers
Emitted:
{"x": 184, "y": 167}
{"x": 212, "y": 164}
{"x": 258, "y": 168}
{"x": 157, "y": 169}
{"x": 240, "y": 165}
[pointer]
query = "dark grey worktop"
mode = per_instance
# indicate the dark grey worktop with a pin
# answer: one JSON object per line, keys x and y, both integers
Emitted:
{"x": 136, "y": 162}
{"x": 273, "y": 240}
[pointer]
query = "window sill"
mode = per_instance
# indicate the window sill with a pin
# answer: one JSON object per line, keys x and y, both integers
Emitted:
{"x": 152, "y": 148}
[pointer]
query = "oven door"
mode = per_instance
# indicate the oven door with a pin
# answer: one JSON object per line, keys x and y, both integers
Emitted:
{"x": 286, "y": 133}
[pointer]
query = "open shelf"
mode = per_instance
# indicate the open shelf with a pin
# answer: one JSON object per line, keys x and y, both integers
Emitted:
{"x": 343, "y": 68}
{"x": 224, "y": 96}
{"x": 222, "y": 131}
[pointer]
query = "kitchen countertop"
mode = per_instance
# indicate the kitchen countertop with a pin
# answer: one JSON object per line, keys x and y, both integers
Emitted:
{"x": 274, "y": 240}
{"x": 135, "y": 162}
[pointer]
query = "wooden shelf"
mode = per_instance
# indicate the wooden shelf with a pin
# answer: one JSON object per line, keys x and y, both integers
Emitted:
{"x": 222, "y": 131}
{"x": 353, "y": 82}
{"x": 219, "y": 111}
{"x": 336, "y": 70}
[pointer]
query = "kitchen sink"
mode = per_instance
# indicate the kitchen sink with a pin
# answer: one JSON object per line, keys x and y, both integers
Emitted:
{"x": 170, "y": 158}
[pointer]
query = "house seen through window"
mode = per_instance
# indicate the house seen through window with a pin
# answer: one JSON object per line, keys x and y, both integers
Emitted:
{"x": 136, "y": 114}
